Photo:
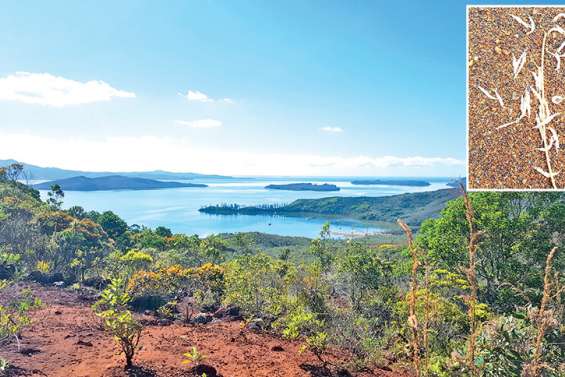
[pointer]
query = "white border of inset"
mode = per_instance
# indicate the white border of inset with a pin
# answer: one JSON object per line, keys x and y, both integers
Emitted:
{"x": 467, "y": 93}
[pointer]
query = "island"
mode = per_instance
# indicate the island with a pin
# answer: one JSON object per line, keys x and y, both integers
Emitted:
{"x": 112, "y": 182}
{"x": 303, "y": 187}
{"x": 391, "y": 182}
{"x": 412, "y": 207}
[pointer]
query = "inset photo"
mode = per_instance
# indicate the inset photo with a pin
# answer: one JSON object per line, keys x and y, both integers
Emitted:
{"x": 516, "y": 97}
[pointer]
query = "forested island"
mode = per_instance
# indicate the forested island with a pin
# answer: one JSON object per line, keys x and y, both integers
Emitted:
{"x": 412, "y": 207}
{"x": 112, "y": 182}
{"x": 303, "y": 187}
{"x": 391, "y": 182}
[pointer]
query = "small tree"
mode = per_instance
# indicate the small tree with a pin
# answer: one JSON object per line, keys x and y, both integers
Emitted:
{"x": 118, "y": 320}
{"x": 55, "y": 196}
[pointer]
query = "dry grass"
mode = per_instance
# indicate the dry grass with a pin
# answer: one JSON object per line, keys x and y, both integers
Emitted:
{"x": 543, "y": 318}
{"x": 471, "y": 273}
{"x": 412, "y": 319}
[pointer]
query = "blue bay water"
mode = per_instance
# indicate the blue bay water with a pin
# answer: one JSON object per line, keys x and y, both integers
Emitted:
{"x": 177, "y": 209}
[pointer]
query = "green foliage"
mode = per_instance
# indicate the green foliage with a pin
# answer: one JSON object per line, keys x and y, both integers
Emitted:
{"x": 118, "y": 320}
{"x": 115, "y": 227}
{"x": 322, "y": 249}
{"x": 258, "y": 284}
{"x": 55, "y": 196}
{"x": 14, "y": 316}
{"x": 300, "y": 322}
{"x": 162, "y": 231}
{"x": 193, "y": 356}
{"x": 168, "y": 310}
{"x": 518, "y": 229}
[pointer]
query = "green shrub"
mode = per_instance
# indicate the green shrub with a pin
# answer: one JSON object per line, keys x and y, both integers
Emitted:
{"x": 118, "y": 320}
{"x": 14, "y": 316}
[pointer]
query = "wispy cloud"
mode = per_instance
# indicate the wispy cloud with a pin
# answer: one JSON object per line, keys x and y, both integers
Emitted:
{"x": 332, "y": 130}
{"x": 198, "y": 96}
{"x": 183, "y": 154}
{"x": 200, "y": 123}
{"x": 49, "y": 90}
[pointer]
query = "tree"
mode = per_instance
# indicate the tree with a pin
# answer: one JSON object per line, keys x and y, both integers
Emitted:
{"x": 517, "y": 230}
{"x": 12, "y": 172}
{"x": 115, "y": 227}
{"x": 321, "y": 248}
{"x": 163, "y": 231}
{"x": 77, "y": 211}
{"x": 55, "y": 196}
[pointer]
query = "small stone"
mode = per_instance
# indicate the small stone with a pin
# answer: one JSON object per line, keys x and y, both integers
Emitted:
{"x": 164, "y": 322}
{"x": 202, "y": 318}
{"x": 498, "y": 50}
{"x": 84, "y": 343}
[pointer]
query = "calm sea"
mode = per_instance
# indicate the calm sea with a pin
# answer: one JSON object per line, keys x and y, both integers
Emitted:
{"x": 177, "y": 209}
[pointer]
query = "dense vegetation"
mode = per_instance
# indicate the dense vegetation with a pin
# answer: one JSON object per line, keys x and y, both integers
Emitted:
{"x": 412, "y": 207}
{"x": 477, "y": 292}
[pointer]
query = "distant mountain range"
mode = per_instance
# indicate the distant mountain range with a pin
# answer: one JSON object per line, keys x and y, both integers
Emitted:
{"x": 112, "y": 182}
{"x": 38, "y": 172}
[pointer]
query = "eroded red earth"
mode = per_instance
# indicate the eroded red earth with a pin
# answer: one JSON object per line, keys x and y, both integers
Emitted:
{"x": 67, "y": 340}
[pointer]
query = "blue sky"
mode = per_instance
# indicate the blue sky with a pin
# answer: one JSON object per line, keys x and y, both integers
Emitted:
{"x": 276, "y": 87}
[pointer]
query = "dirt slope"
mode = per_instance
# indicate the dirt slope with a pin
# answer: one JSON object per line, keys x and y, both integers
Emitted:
{"x": 66, "y": 340}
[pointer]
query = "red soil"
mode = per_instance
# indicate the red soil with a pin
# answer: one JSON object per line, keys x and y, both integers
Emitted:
{"x": 66, "y": 340}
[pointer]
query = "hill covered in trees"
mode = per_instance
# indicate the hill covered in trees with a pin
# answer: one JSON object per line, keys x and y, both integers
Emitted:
{"x": 112, "y": 182}
{"x": 412, "y": 207}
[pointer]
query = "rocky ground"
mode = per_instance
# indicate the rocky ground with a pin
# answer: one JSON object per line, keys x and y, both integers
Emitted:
{"x": 66, "y": 340}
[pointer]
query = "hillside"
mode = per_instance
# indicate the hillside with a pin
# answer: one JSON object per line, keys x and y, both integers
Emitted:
{"x": 52, "y": 173}
{"x": 112, "y": 182}
{"x": 303, "y": 187}
{"x": 252, "y": 304}
{"x": 412, "y": 207}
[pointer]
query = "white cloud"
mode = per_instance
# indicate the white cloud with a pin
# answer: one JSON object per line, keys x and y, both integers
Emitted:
{"x": 334, "y": 130}
{"x": 182, "y": 154}
{"x": 200, "y": 123}
{"x": 198, "y": 96}
{"x": 46, "y": 89}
